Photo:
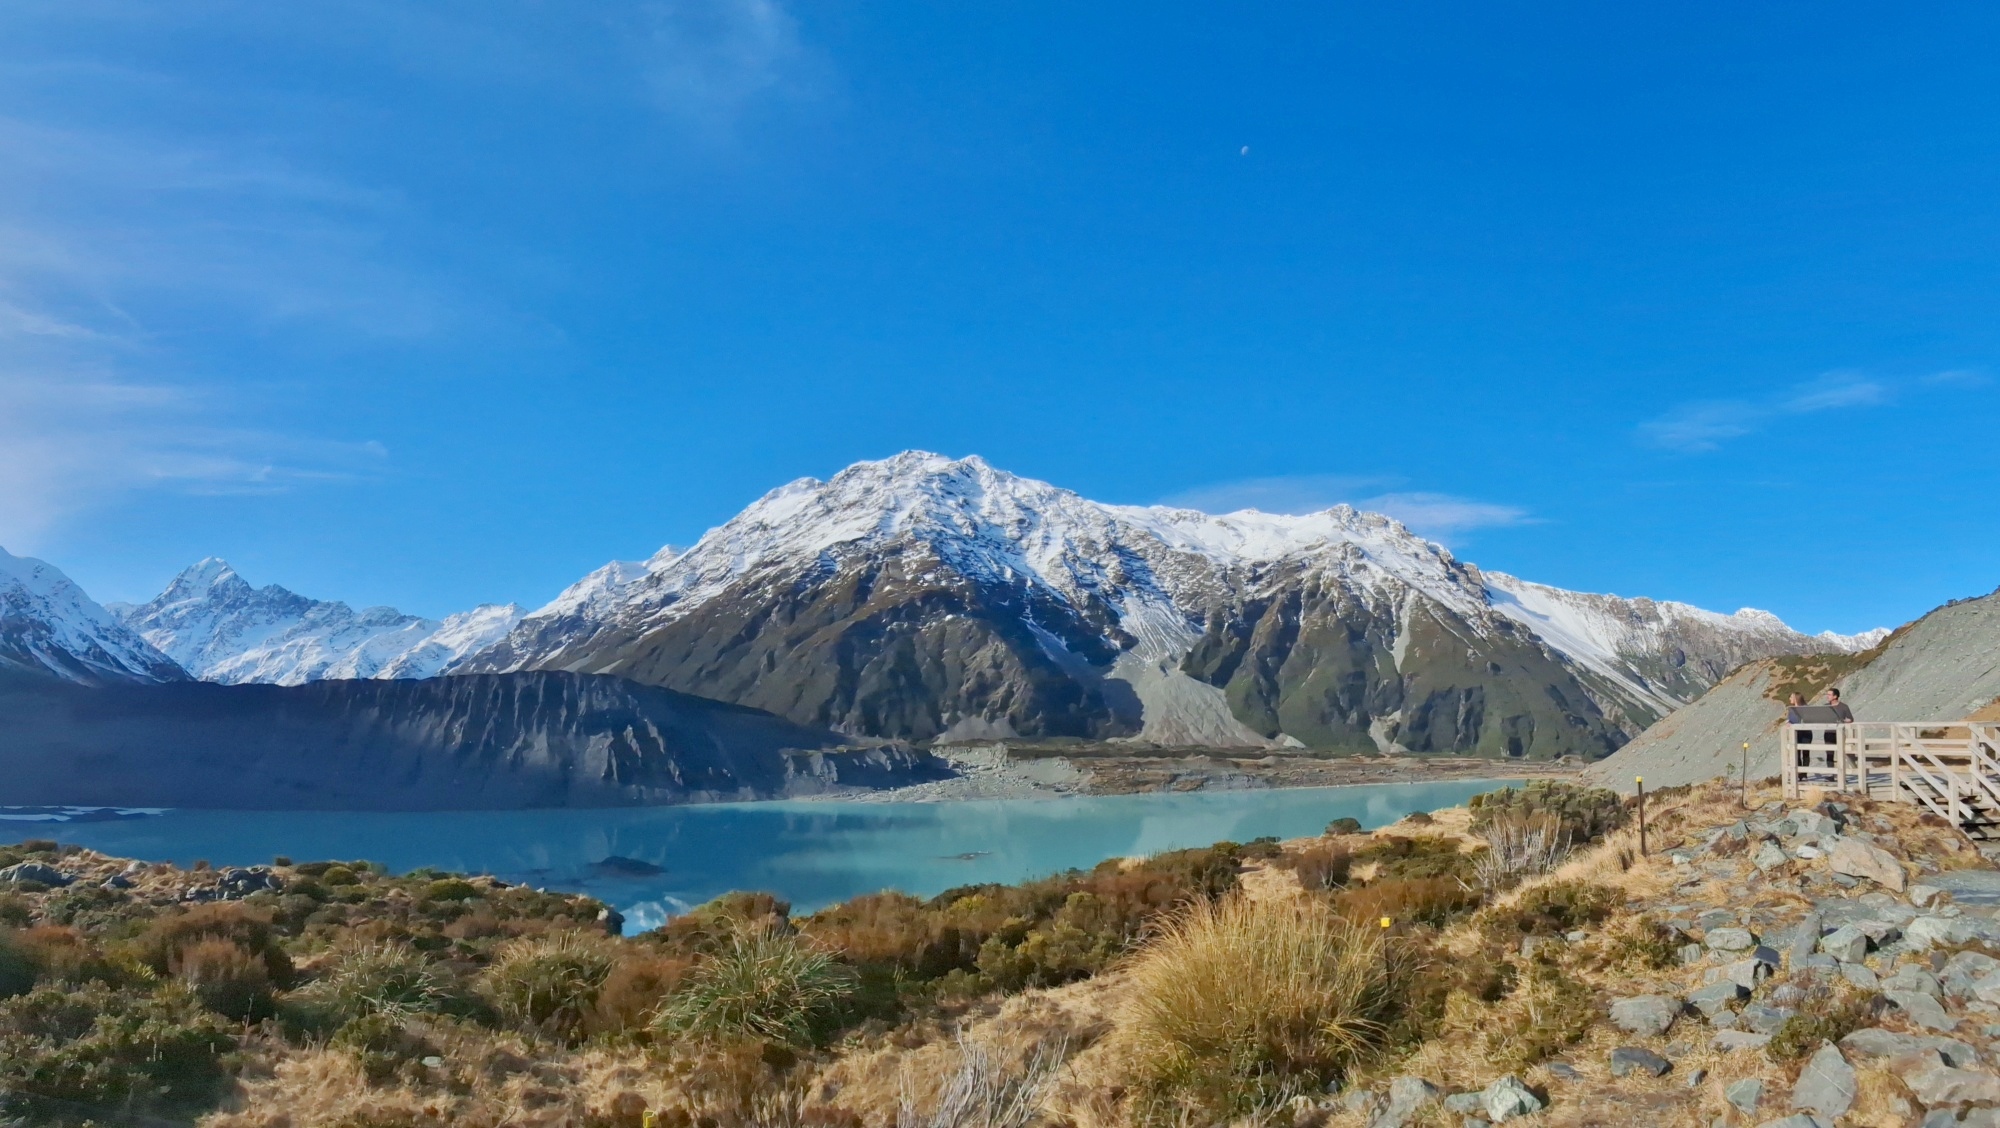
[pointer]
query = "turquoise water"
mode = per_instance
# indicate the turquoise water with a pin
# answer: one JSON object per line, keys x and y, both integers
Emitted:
{"x": 811, "y": 854}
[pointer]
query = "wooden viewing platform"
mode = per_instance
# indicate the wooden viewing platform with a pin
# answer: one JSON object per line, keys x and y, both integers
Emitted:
{"x": 1951, "y": 767}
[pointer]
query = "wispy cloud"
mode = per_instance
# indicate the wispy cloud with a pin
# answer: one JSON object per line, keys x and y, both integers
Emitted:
{"x": 1704, "y": 425}
{"x": 69, "y": 442}
{"x": 1438, "y": 515}
{"x": 707, "y": 61}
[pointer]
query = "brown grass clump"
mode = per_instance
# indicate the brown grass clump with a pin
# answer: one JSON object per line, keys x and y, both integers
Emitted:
{"x": 633, "y": 991}
{"x": 248, "y": 929}
{"x": 1320, "y": 866}
{"x": 1432, "y": 901}
{"x": 228, "y": 980}
{"x": 1241, "y": 1003}
{"x": 550, "y": 983}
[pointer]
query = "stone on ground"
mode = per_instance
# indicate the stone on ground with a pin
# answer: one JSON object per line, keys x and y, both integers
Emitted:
{"x": 1846, "y": 944}
{"x": 1856, "y": 858}
{"x": 1875, "y": 1042}
{"x": 1731, "y": 940}
{"x": 1645, "y": 1015}
{"x": 1637, "y": 1059}
{"x": 1407, "y": 1096}
{"x": 1745, "y": 1095}
{"x": 1922, "y": 1009}
{"x": 1937, "y": 1085}
{"x": 1716, "y": 997}
{"x": 1507, "y": 1099}
{"x": 1826, "y": 1085}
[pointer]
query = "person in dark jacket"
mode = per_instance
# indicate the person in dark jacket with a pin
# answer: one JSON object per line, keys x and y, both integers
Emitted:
{"x": 1838, "y": 706}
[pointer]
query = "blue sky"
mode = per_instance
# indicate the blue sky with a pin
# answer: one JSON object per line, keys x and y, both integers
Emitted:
{"x": 447, "y": 303}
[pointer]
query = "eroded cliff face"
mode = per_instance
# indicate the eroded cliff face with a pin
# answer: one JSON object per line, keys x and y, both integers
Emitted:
{"x": 495, "y": 741}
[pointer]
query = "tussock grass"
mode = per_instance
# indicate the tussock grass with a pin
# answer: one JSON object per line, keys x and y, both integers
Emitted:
{"x": 388, "y": 978}
{"x": 1239, "y": 1003}
{"x": 550, "y": 983}
{"x": 766, "y": 984}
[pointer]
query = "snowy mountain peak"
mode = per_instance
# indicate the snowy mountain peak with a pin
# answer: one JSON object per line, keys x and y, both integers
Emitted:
{"x": 48, "y": 625}
{"x": 220, "y": 628}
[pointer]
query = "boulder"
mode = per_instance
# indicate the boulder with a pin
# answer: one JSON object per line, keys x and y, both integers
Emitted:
{"x": 1744, "y": 1095}
{"x": 1728, "y": 1040}
{"x": 1730, "y": 940}
{"x": 1770, "y": 855}
{"x": 1965, "y": 969}
{"x": 1922, "y": 1009}
{"x": 1715, "y": 998}
{"x": 1466, "y": 1104}
{"x": 1761, "y": 1019}
{"x": 1937, "y": 1085}
{"x": 35, "y": 871}
{"x": 1407, "y": 1096}
{"x": 1645, "y": 1015}
{"x": 1855, "y": 858}
{"x": 1875, "y": 1042}
{"x": 1846, "y": 944}
{"x": 1747, "y": 973}
{"x": 1826, "y": 1085}
{"x": 1508, "y": 1099}
{"x": 1910, "y": 977}
{"x": 1922, "y": 895}
{"x": 1861, "y": 975}
{"x": 1637, "y": 1059}
{"x": 1804, "y": 938}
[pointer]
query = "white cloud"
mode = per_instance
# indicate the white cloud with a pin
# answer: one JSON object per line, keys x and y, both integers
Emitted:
{"x": 1436, "y": 515}
{"x": 706, "y": 61}
{"x": 69, "y": 442}
{"x": 1703, "y": 426}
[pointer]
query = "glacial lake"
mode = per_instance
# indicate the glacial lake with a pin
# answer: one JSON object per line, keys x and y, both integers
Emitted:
{"x": 665, "y": 860}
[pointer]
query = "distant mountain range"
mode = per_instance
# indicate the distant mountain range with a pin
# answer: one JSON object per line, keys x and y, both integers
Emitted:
{"x": 927, "y": 598}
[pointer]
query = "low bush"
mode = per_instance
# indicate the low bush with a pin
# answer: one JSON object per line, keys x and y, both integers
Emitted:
{"x": 1555, "y": 908}
{"x": 549, "y": 984}
{"x": 1417, "y": 856}
{"x": 65, "y": 1052}
{"x": 1238, "y": 1003}
{"x": 1343, "y": 826}
{"x": 766, "y": 985}
{"x": 382, "y": 1044}
{"x": 1826, "y": 1014}
{"x": 634, "y": 990}
{"x": 386, "y": 978}
{"x": 1430, "y": 901}
{"x": 18, "y": 967}
{"x": 1321, "y": 866}
{"x": 164, "y": 940}
{"x": 1580, "y": 814}
{"x": 228, "y": 980}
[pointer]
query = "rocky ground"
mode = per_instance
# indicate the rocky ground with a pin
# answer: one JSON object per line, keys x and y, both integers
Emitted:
{"x": 1836, "y": 966}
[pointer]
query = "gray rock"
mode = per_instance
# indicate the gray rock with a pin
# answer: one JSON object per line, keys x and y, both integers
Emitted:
{"x": 1936, "y": 1085}
{"x": 1923, "y": 895}
{"x": 1696, "y": 1077}
{"x": 1769, "y": 856}
{"x": 1969, "y": 886}
{"x": 1826, "y": 1085}
{"x": 1846, "y": 944}
{"x": 1715, "y": 998}
{"x": 1567, "y": 1072}
{"x": 1730, "y": 940}
{"x": 1728, "y": 1040}
{"x": 1746, "y": 973}
{"x": 1910, "y": 977}
{"x": 1803, "y": 938}
{"x": 1691, "y": 953}
{"x": 1939, "y": 1118}
{"x": 1861, "y": 975}
{"x": 1818, "y": 961}
{"x": 1745, "y": 1095}
{"x": 1798, "y": 1120}
{"x": 1359, "y": 1101}
{"x": 1715, "y": 918}
{"x": 1814, "y": 824}
{"x": 1465, "y": 1104}
{"x": 1922, "y": 1009}
{"x": 1475, "y": 1122}
{"x": 35, "y": 871}
{"x": 1964, "y": 969}
{"x": 1981, "y": 1118}
{"x": 1631, "y": 1059}
{"x": 1763, "y": 1019}
{"x": 1645, "y": 1015}
{"x": 1987, "y": 989}
{"x": 1407, "y": 1096}
{"x": 1507, "y": 1099}
{"x": 1850, "y": 856}
{"x": 1875, "y": 1042}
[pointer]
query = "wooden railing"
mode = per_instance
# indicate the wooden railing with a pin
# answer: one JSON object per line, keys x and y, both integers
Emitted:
{"x": 1951, "y": 767}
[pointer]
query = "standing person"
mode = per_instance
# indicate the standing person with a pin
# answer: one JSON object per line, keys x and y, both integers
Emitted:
{"x": 1792, "y": 706}
{"x": 1839, "y": 707}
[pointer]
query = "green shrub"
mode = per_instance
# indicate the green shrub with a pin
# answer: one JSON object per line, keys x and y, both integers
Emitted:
{"x": 382, "y": 1044}
{"x": 17, "y": 966}
{"x": 766, "y": 985}
{"x": 386, "y": 978}
{"x": 228, "y": 980}
{"x": 450, "y": 889}
{"x": 1432, "y": 901}
{"x": 550, "y": 984}
{"x": 1826, "y": 1014}
{"x": 1548, "y": 1012}
{"x": 1344, "y": 826}
{"x": 1581, "y": 814}
{"x": 1554, "y": 908}
{"x": 338, "y": 875}
{"x": 1417, "y": 856}
{"x": 120, "y": 1052}
{"x": 1321, "y": 866}
{"x": 248, "y": 929}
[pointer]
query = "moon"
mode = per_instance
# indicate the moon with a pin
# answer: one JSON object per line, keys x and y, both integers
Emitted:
{"x": 1245, "y": 151}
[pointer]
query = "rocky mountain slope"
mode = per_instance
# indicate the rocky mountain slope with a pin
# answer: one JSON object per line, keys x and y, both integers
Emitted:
{"x": 1944, "y": 666}
{"x": 496, "y": 741}
{"x": 49, "y": 626}
{"x": 932, "y": 598}
{"x": 218, "y": 627}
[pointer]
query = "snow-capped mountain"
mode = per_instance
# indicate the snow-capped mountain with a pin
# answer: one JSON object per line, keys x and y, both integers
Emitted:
{"x": 48, "y": 625}
{"x": 922, "y": 596}
{"x": 219, "y": 628}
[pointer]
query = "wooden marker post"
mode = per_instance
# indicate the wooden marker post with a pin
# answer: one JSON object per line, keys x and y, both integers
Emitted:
{"x": 1746, "y": 775}
{"x": 1641, "y": 781}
